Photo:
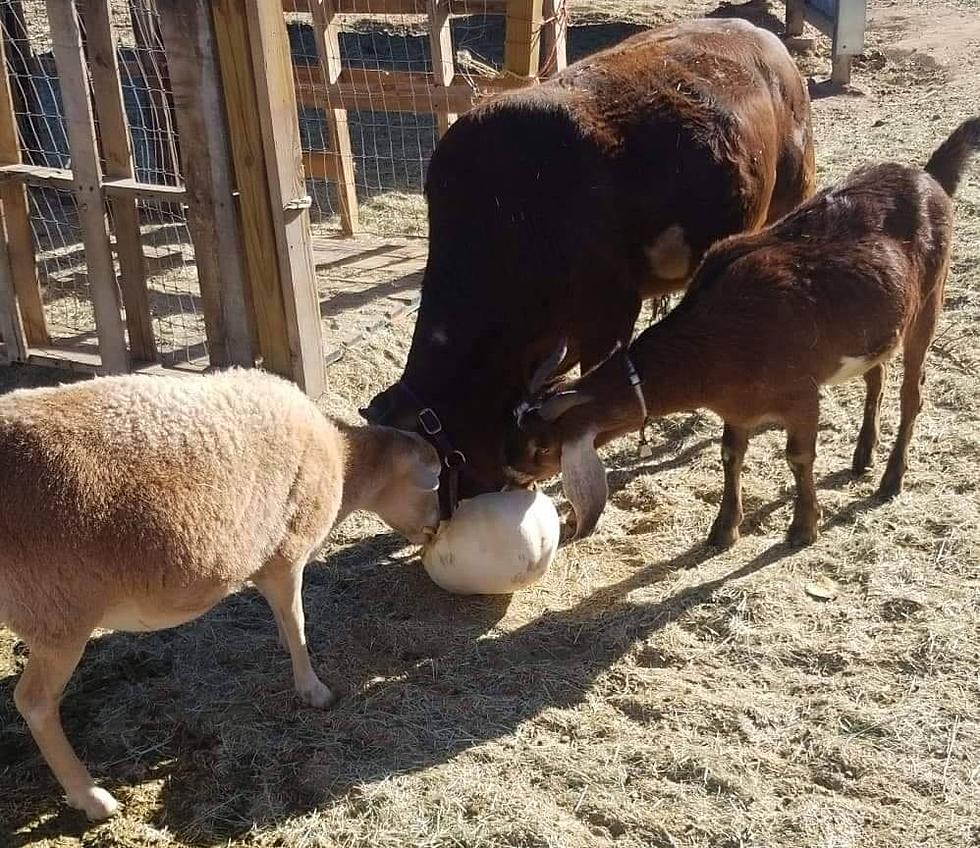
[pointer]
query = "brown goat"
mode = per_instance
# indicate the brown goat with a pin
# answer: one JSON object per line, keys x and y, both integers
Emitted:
{"x": 826, "y": 294}
{"x": 555, "y": 210}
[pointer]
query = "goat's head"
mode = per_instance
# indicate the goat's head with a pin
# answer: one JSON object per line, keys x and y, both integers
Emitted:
{"x": 558, "y": 428}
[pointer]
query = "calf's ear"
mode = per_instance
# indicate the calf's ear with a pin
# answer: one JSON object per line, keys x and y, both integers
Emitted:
{"x": 583, "y": 479}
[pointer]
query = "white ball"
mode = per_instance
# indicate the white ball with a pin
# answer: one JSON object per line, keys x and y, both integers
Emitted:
{"x": 495, "y": 544}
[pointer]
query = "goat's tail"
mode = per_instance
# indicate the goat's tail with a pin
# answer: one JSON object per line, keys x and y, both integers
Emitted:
{"x": 947, "y": 163}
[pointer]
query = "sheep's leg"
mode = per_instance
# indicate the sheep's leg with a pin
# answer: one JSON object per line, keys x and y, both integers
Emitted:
{"x": 917, "y": 343}
{"x": 724, "y": 532}
{"x": 281, "y": 583}
{"x": 868, "y": 438}
{"x": 37, "y": 695}
{"x": 801, "y": 450}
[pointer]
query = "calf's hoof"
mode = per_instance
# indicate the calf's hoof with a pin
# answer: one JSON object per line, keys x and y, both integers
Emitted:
{"x": 890, "y": 488}
{"x": 316, "y": 694}
{"x": 801, "y": 535}
{"x": 862, "y": 461}
{"x": 723, "y": 537}
{"x": 95, "y": 802}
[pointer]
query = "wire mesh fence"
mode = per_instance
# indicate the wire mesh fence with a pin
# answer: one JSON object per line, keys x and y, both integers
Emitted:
{"x": 390, "y": 64}
{"x": 178, "y": 327}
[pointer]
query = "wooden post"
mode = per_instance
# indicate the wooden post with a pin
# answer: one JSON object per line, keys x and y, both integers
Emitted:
{"x": 17, "y": 220}
{"x": 554, "y": 37}
{"x": 73, "y": 78}
{"x": 522, "y": 44}
{"x": 114, "y": 134}
{"x": 327, "y": 35}
{"x": 441, "y": 50}
{"x": 795, "y": 17}
{"x": 205, "y": 163}
{"x": 273, "y": 67}
{"x": 11, "y": 327}
{"x": 279, "y": 258}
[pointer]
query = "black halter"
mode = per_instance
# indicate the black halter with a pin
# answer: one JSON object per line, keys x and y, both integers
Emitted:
{"x": 430, "y": 426}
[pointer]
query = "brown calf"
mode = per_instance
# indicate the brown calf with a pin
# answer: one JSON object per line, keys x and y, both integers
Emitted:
{"x": 827, "y": 294}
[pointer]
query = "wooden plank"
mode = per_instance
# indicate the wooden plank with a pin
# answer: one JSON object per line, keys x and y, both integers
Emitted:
{"x": 61, "y": 179}
{"x": 73, "y": 78}
{"x": 83, "y": 362}
{"x": 554, "y": 37}
{"x": 211, "y": 213}
{"x": 267, "y": 311}
{"x": 272, "y": 65}
{"x": 441, "y": 51}
{"x": 14, "y": 346}
{"x": 522, "y": 43}
{"x": 114, "y": 134}
{"x": 320, "y": 165}
{"x": 327, "y": 35}
{"x": 17, "y": 220}
{"x": 402, "y": 7}
{"x": 426, "y": 97}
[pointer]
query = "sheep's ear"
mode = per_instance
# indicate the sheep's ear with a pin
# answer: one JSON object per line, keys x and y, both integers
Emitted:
{"x": 547, "y": 368}
{"x": 583, "y": 479}
{"x": 424, "y": 478}
{"x": 557, "y": 405}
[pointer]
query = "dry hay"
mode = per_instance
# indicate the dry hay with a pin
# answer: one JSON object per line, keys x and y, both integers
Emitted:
{"x": 646, "y": 693}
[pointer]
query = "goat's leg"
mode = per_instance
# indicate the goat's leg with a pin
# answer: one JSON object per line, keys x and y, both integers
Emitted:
{"x": 917, "y": 343}
{"x": 801, "y": 450}
{"x": 37, "y": 695}
{"x": 724, "y": 532}
{"x": 870, "y": 428}
{"x": 281, "y": 583}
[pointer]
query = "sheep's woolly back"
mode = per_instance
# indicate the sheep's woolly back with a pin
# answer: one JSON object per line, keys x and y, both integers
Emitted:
{"x": 133, "y": 486}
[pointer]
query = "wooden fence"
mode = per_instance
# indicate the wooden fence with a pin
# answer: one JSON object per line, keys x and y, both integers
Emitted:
{"x": 152, "y": 178}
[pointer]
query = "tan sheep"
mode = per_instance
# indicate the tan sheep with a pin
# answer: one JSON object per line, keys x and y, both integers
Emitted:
{"x": 137, "y": 503}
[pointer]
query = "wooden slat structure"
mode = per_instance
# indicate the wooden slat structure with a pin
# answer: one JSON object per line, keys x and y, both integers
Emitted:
{"x": 69, "y": 55}
{"x": 214, "y": 142}
{"x": 111, "y": 113}
{"x": 534, "y": 47}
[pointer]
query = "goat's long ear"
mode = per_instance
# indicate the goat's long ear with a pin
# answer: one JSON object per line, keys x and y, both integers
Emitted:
{"x": 557, "y": 405}
{"x": 547, "y": 368}
{"x": 583, "y": 479}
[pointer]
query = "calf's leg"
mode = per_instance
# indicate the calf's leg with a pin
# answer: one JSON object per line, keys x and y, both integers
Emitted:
{"x": 801, "y": 450}
{"x": 917, "y": 342}
{"x": 281, "y": 583}
{"x": 868, "y": 438}
{"x": 724, "y": 532}
{"x": 37, "y": 695}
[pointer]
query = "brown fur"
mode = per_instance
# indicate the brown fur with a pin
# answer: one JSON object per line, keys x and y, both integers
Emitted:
{"x": 545, "y": 205}
{"x": 847, "y": 279}
{"x": 138, "y": 503}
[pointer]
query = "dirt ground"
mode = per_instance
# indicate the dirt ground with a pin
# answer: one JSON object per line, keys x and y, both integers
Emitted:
{"x": 645, "y": 693}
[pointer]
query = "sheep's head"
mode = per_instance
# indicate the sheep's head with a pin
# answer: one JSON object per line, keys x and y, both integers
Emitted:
{"x": 407, "y": 500}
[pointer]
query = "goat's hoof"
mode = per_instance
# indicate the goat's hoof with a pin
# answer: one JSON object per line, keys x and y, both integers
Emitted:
{"x": 889, "y": 489}
{"x": 862, "y": 462}
{"x": 317, "y": 695}
{"x": 723, "y": 538}
{"x": 799, "y": 536}
{"x": 95, "y": 802}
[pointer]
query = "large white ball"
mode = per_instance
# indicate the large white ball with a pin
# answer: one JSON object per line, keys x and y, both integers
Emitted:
{"x": 495, "y": 544}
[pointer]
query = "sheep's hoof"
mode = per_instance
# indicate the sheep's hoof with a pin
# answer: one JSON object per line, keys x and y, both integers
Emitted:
{"x": 801, "y": 535}
{"x": 723, "y": 537}
{"x": 96, "y": 803}
{"x": 317, "y": 695}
